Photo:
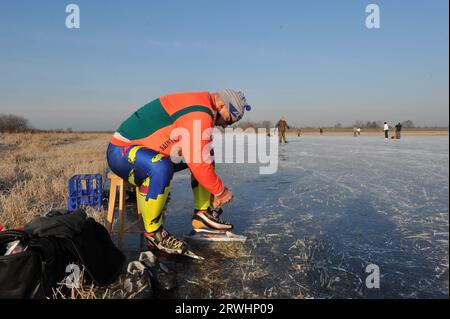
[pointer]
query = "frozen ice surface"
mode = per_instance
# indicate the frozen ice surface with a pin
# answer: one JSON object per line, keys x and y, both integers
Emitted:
{"x": 336, "y": 205}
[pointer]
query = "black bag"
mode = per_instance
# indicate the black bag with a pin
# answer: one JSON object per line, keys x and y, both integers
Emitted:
{"x": 53, "y": 242}
{"x": 73, "y": 237}
{"x": 20, "y": 274}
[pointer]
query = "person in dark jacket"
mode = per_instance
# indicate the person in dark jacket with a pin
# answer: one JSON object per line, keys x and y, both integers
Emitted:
{"x": 398, "y": 131}
{"x": 282, "y": 127}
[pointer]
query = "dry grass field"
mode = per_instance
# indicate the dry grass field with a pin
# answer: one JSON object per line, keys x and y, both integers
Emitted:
{"x": 34, "y": 173}
{"x": 35, "y": 169}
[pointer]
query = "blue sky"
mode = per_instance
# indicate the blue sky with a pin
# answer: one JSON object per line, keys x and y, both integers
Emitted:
{"x": 314, "y": 62}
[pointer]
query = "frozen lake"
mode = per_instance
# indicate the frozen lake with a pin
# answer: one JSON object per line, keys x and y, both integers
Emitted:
{"x": 336, "y": 205}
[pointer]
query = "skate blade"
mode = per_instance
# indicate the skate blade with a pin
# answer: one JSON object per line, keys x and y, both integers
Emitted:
{"x": 187, "y": 253}
{"x": 215, "y": 236}
{"x": 190, "y": 254}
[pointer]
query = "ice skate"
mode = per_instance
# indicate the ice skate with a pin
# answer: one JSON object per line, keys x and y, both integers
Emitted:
{"x": 208, "y": 226}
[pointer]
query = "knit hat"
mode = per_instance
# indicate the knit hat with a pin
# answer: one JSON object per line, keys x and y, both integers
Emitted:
{"x": 236, "y": 103}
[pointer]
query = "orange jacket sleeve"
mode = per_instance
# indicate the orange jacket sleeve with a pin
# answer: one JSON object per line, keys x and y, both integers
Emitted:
{"x": 195, "y": 150}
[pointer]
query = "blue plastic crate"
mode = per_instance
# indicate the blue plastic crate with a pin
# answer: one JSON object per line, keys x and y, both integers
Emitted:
{"x": 85, "y": 190}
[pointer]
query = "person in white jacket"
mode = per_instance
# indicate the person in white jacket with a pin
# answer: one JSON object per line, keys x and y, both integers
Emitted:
{"x": 386, "y": 130}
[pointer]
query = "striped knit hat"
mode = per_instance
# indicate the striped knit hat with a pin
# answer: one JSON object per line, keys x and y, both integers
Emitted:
{"x": 236, "y": 103}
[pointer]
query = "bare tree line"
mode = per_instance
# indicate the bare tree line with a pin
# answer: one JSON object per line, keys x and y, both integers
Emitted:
{"x": 10, "y": 123}
{"x": 377, "y": 124}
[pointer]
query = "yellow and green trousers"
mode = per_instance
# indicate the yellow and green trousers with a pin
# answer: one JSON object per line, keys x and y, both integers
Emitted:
{"x": 152, "y": 173}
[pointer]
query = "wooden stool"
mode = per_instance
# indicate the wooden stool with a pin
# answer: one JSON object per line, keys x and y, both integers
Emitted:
{"x": 117, "y": 181}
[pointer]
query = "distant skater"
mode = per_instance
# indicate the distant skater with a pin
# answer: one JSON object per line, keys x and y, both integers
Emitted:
{"x": 359, "y": 131}
{"x": 355, "y": 132}
{"x": 398, "y": 131}
{"x": 299, "y": 132}
{"x": 386, "y": 130}
{"x": 321, "y": 131}
{"x": 282, "y": 126}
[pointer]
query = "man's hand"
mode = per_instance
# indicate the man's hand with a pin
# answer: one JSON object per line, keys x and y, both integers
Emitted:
{"x": 225, "y": 197}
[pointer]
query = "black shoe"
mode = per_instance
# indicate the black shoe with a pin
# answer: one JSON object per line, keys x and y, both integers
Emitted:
{"x": 164, "y": 241}
{"x": 160, "y": 277}
{"x": 135, "y": 277}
